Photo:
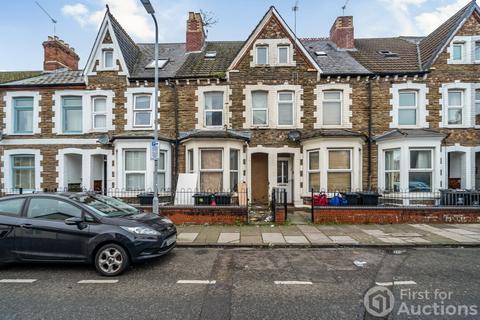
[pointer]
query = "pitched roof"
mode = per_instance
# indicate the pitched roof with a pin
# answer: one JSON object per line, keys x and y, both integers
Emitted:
{"x": 9, "y": 76}
{"x": 173, "y": 52}
{"x": 432, "y": 45}
{"x": 216, "y": 134}
{"x": 369, "y": 54}
{"x": 196, "y": 65}
{"x": 60, "y": 77}
{"x": 128, "y": 47}
{"x": 335, "y": 61}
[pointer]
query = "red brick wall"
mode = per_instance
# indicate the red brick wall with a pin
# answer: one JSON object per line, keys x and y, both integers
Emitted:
{"x": 58, "y": 55}
{"x": 397, "y": 215}
{"x": 342, "y": 34}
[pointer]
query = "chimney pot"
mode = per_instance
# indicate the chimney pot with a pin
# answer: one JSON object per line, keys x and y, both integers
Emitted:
{"x": 195, "y": 32}
{"x": 59, "y": 55}
{"x": 342, "y": 33}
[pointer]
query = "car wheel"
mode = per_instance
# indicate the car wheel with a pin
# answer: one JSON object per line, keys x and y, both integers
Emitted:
{"x": 111, "y": 260}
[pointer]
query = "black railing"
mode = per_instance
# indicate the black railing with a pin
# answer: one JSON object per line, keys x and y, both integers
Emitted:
{"x": 166, "y": 197}
{"x": 397, "y": 198}
{"x": 279, "y": 200}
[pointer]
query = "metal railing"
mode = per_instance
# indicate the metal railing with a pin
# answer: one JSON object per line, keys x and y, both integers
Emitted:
{"x": 279, "y": 200}
{"x": 397, "y": 198}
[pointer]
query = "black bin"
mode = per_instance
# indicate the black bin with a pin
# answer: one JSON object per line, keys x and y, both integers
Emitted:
{"x": 203, "y": 198}
{"x": 146, "y": 199}
{"x": 353, "y": 198}
{"x": 369, "y": 198}
{"x": 223, "y": 198}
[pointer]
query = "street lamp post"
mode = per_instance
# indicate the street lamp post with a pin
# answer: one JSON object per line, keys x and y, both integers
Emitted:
{"x": 149, "y": 8}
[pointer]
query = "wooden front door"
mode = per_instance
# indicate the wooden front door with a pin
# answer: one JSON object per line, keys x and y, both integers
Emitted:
{"x": 259, "y": 178}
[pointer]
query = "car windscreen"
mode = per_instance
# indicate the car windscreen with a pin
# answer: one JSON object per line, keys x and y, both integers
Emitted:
{"x": 107, "y": 206}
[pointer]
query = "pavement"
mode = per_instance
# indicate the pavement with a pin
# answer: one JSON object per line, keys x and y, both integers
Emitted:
{"x": 249, "y": 283}
{"x": 308, "y": 235}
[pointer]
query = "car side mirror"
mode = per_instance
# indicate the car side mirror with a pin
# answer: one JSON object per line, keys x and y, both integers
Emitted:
{"x": 74, "y": 221}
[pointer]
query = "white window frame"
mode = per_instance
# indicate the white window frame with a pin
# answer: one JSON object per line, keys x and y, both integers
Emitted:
{"x": 347, "y": 103}
{"x": 340, "y": 100}
{"x": 96, "y": 113}
{"x": 427, "y": 170}
{"x": 6, "y": 158}
{"x": 149, "y": 110}
{"x": 164, "y": 170}
{"x": 253, "y": 109}
{"x": 460, "y": 45}
{"x": 476, "y": 107}
{"x": 279, "y": 47}
{"x": 64, "y": 113}
{"x": 104, "y": 59}
{"x": 126, "y": 172}
{"x": 390, "y": 171}
{"x": 461, "y": 107}
{"x": 476, "y": 44}
{"x": 267, "y": 49}
{"x": 310, "y": 171}
{"x": 201, "y": 170}
{"x": 415, "y": 107}
{"x": 292, "y": 101}
{"x": 205, "y": 110}
{"x": 9, "y": 112}
{"x": 350, "y": 170}
{"x": 234, "y": 171}
{"x": 190, "y": 161}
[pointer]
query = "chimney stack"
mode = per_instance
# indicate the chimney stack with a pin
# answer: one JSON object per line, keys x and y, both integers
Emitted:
{"x": 58, "y": 54}
{"x": 195, "y": 32}
{"x": 342, "y": 33}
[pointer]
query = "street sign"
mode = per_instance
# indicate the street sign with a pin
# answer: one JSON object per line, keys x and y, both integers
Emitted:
{"x": 154, "y": 150}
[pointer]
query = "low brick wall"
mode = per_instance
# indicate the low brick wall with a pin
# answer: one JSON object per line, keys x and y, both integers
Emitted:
{"x": 396, "y": 215}
{"x": 202, "y": 215}
{"x": 280, "y": 215}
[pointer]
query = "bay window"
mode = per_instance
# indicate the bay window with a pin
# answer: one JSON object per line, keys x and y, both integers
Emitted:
{"x": 190, "y": 168}
{"x": 339, "y": 176}
{"x": 455, "y": 107}
{"x": 234, "y": 169}
{"x": 213, "y": 109}
{"x": 421, "y": 170}
{"x": 407, "y": 107}
{"x": 99, "y": 112}
{"x": 162, "y": 170}
{"x": 314, "y": 170}
{"x": 285, "y": 108}
{"x": 392, "y": 170}
{"x": 259, "y": 108}
{"x": 23, "y": 172}
{"x": 262, "y": 55}
{"x": 332, "y": 108}
{"x": 135, "y": 169}
{"x": 477, "y": 107}
{"x": 72, "y": 114}
{"x": 23, "y": 115}
{"x": 142, "y": 111}
{"x": 211, "y": 169}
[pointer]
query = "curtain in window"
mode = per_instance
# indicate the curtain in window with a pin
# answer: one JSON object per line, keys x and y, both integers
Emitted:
{"x": 135, "y": 181}
{"x": 313, "y": 167}
{"x": 211, "y": 159}
{"x": 339, "y": 181}
{"x": 213, "y": 108}
{"x": 420, "y": 159}
{"x": 135, "y": 160}
{"x": 72, "y": 114}
{"x": 23, "y": 172}
{"x": 339, "y": 159}
{"x": 285, "y": 108}
{"x": 259, "y": 107}
{"x": 23, "y": 114}
{"x": 332, "y": 108}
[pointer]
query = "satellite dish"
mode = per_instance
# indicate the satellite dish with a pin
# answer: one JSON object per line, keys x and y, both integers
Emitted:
{"x": 104, "y": 139}
{"x": 294, "y": 135}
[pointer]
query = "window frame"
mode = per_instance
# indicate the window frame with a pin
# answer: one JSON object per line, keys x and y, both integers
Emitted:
{"x": 280, "y": 47}
{"x": 205, "y": 110}
{"x": 476, "y": 51}
{"x": 461, "y": 107}
{"x": 262, "y": 46}
{"x": 14, "y": 168}
{"x": 279, "y": 102}
{"x": 253, "y": 109}
{"x": 22, "y": 108}
{"x": 421, "y": 170}
{"x": 340, "y": 100}
{"x": 318, "y": 170}
{"x": 64, "y": 114}
{"x": 201, "y": 170}
{"x": 476, "y": 110}
{"x": 234, "y": 171}
{"x": 392, "y": 171}
{"x": 135, "y": 110}
{"x": 460, "y": 45}
{"x": 350, "y": 170}
{"x": 96, "y": 113}
{"x": 126, "y": 172}
{"x": 163, "y": 171}
{"x": 415, "y": 108}
{"x": 104, "y": 59}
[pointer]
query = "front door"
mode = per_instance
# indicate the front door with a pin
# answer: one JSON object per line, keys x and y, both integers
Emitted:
{"x": 284, "y": 176}
{"x": 44, "y": 235}
{"x": 259, "y": 178}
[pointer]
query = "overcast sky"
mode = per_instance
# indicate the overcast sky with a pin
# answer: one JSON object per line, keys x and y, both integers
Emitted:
{"x": 24, "y": 26}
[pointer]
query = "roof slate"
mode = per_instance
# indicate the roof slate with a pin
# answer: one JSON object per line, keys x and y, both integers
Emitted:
{"x": 128, "y": 47}
{"x": 410, "y": 133}
{"x": 336, "y": 61}
{"x": 174, "y": 52}
{"x": 196, "y": 65}
{"x": 213, "y": 134}
{"x": 65, "y": 77}
{"x": 9, "y": 76}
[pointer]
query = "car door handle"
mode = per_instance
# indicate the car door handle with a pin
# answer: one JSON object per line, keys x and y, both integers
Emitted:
{"x": 26, "y": 226}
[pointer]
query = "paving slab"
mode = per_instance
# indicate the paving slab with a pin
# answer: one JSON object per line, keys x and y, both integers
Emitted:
{"x": 374, "y": 232}
{"x": 405, "y": 234}
{"x": 343, "y": 239}
{"x": 229, "y": 237}
{"x": 391, "y": 240}
{"x": 317, "y": 238}
{"x": 308, "y": 229}
{"x": 446, "y": 234}
{"x": 461, "y": 231}
{"x": 416, "y": 240}
{"x": 187, "y": 236}
{"x": 275, "y": 238}
{"x": 252, "y": 240}
{"x": 296, "y": 240}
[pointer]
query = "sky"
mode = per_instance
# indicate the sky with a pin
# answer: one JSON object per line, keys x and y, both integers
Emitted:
{"x": 24, "y": 26}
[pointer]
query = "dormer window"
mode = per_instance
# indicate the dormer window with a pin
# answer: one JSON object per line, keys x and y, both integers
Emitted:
{"x": 161, "y": 64}
{"x": 388, "y": 54}
{"x": 108, "y": 59}
{"x": 283, "y": 54}
{"x": 210, "y": 54}
{"x": 262, "y": 55}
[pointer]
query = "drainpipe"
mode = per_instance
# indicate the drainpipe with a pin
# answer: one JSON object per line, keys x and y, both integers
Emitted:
{"x": 173, "y": 86}
{"x": 369, "y": 150}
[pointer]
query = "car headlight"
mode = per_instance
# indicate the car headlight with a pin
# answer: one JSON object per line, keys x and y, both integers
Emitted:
{"x": 142, "y": 230}
{"x": 166, "y": 220}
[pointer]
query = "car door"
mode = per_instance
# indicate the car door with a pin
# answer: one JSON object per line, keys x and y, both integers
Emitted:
{"x": 10, "y": 211}
{"x": 44, "y": 235}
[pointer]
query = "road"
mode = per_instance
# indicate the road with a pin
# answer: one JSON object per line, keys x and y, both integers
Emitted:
{"x": 241, "y": 284}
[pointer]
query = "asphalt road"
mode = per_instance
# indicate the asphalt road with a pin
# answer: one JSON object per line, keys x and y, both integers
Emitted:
{"x": 242, "y": 285}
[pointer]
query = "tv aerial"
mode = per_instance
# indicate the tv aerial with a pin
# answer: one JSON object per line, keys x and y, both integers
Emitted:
{"x": 54, "y": 22}
{"x": 344, "y": 7}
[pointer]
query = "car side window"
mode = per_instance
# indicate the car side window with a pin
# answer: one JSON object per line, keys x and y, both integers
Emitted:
{"x": 11, "y": 207}
{"x": 52, "y": 209}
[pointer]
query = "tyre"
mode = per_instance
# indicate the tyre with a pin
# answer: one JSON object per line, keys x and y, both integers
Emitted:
{"x": 111, "y": 260}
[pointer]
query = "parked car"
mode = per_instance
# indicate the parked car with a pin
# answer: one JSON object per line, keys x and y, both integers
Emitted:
{"x": 81, "y": 227}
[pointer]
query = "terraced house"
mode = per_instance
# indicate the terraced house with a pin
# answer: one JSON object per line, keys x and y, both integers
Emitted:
{"x": 272, "y": 111}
